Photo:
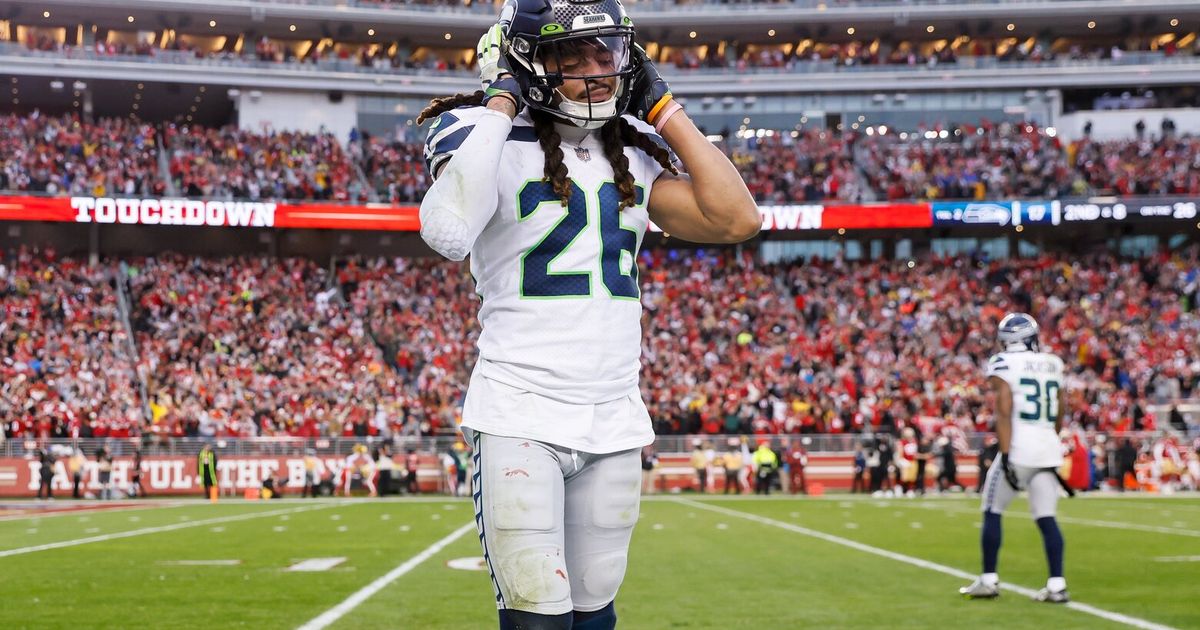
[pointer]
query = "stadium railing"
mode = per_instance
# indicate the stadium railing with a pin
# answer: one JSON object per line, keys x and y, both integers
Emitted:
{"x": 657, "y": 5}
{"x": 156, "y": 446}
{"x": 799, "y": 66}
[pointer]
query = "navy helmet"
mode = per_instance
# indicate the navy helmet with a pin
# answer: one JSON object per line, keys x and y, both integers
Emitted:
{"x": 1018, "y": 331}
{"x": 537, "y": 31}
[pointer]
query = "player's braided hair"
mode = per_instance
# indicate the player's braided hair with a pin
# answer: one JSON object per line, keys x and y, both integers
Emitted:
{"x": 614, "y": 137}
{"x": 439, "y": 106}
{"x": 553, "y": 170}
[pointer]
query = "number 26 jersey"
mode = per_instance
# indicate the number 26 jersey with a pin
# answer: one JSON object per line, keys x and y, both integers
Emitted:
{"x": 1035, "y": 379}
{"x": 561, "y": 304}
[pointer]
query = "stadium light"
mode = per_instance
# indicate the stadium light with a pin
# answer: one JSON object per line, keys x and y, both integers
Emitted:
{"x": 771, "y": 33}
{"x": 292, "y": 28}
{"x": 692, "y": 34}
{"x": 212, "y": 24}
{"x": 447, "y": 36}
{"x": 56, "y": 85}
{"x": 850, "y": 31}
{"x": 1012, "y": 27}
{"x": 1092, "y": 24}
{"x": 45, "y": 14}
{"x": 130, "y": 18}
{"x": 79, "y": 85}
{"x": 929, "y": 29}
{"x": 371, "y": 32}
{"x": 1174, "y": 22}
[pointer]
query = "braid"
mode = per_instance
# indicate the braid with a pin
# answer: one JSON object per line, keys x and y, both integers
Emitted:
{"x": 438, "y": 106}
{"x": 634, "y": 138}
{"x": 554, "y": 171}
{"x": 614, "y": 150}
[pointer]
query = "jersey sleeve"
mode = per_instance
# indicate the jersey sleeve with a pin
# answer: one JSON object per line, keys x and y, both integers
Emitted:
{"x": 446, "y": 135}
{"x": 998, "y": 366}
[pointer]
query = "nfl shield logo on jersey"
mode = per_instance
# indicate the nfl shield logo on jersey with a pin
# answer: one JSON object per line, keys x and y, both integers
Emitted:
{"x": 583, "y": 154}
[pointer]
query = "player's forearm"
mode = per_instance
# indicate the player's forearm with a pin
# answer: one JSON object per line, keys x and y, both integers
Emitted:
{"x": 721, "y": 194}
{"x": 464, "y": 196}
{"x": 1004, "y": 427}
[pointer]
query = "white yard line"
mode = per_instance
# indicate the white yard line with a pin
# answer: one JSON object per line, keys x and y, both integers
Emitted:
{"x": 1154, "y": 529}
{"x": 337, "y": 612}
{"x": 918, "y": 562}
{"x": 155, "y": 530}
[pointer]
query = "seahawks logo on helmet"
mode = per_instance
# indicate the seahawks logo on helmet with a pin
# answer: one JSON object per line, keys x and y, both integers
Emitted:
{"x": 540, "y": 34}
{"x": 1018, "y": 331}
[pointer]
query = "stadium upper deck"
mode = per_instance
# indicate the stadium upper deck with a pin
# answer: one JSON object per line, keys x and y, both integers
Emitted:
{"x": 844, "y": 57}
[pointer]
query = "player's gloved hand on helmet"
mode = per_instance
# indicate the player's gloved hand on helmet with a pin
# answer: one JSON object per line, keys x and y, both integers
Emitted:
{"x": 494, "y": 77}
{"x": 649, "y": 93}
{"x": 1010, "y": 473}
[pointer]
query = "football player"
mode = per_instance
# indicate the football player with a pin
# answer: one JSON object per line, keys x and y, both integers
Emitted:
{"x": 359, "y": 463}
{"x": 548, "y": 178}
{"x": 1030, "y": 405}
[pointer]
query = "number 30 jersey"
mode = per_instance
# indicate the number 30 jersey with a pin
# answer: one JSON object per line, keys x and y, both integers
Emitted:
{"x": 561, "y": 309}
{"x": 1035, "y": 379}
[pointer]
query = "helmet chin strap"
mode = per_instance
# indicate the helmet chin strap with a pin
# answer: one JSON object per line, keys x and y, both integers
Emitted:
{"x": 580, "y": 113}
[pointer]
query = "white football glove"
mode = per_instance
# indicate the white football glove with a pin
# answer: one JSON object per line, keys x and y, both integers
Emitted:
{"x": 489, "y": 55}
{"x": 494, "y": 77}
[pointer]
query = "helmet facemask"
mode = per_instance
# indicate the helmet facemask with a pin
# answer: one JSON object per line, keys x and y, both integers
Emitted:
{"x": 599, "y": 58}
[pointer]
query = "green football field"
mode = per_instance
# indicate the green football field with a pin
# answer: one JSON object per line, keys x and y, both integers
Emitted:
{"x": 695, "y": 563}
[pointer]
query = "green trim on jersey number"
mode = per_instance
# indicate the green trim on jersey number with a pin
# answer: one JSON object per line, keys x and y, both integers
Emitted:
{"x": 537, "y": 282}
{"x": 553, "y": 244}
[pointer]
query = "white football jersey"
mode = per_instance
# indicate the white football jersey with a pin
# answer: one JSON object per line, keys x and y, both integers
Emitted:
{"x": 561, "y": 308}
{"x": 1035, "y": 379}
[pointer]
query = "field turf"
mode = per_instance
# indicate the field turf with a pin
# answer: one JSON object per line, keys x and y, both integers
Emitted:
{"x": 696, "y": 562}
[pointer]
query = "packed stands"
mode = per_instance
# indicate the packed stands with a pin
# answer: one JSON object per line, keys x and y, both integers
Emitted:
{"x": 65, "y": 362}
{"x": 251, "y": 346}
{"x": 234, "y": 163}
{"x": 63, "y": 155}
{"x": 787, "y": 167}
{"x": 824, "y": 55}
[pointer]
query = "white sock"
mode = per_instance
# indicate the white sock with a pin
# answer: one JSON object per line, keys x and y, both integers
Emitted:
{"x": 1056, "y": 584}
{"x": 991, "y": 579}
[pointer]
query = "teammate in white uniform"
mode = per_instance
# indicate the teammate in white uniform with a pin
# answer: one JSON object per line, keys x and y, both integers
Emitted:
{"x": 1030, "y": 405}
{"x": 548, "y": 178}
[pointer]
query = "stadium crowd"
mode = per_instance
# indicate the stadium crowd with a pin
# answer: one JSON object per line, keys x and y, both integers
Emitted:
{"x": 235, "y": 163}
{"x": 66, "y": 368}
{"x": 809, "y": 55}
{"x": 63, "y": 155}
{"x": 254, "y": 346}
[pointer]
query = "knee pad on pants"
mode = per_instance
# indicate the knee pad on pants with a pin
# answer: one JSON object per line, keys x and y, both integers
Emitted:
{"x": 596, "y": 583}
{"x": 535, "y": 579}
